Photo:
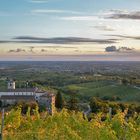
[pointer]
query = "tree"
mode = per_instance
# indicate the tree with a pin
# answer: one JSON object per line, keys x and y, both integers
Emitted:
{"x": 98, "y": 105}
{"x": 125, "y": 81}
{"x": 59, "y": 102}
{"x": 73, "y": 103}
{"x": 0, "y": 103}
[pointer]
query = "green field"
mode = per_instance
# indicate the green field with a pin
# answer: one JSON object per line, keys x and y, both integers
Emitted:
{"x": 104, "y": 88}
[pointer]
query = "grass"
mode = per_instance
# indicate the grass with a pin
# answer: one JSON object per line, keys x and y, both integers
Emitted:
{"x": 106, "y": 88}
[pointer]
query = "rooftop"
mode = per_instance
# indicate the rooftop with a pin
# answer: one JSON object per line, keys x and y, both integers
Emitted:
{"x": 17, "y": 97}
{"x": 47, "y": 95}
{"x": 20, "y": 90}
{"x": 24, "y": 90}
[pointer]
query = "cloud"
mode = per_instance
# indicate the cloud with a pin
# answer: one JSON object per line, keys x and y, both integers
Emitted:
{"x": 126, "y": 36}
{"x": 38, "y": 1}
{"x": 54, "y": 11}
{"x": 43, "y": 50}
{"x": 60, "y": 40}
{"x": 120, "y": 49}
{"x": 111, "y": 49}
{"x": 4, "y": 41}
{"x": 54, "y": 47}
{"x": 125, "y": 49}
{"x": 103, "y": 28}
{"x": 18, "y": 50}
{"x": 63, "y": 40}
{"x": 109, "y": 14}
{"x": 79, "y": 18}
{"x": 123, "y": 14}
{"x": 32, "y": 49}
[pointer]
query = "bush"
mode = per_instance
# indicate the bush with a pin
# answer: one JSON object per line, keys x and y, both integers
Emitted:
{"x": 67, "y": 125}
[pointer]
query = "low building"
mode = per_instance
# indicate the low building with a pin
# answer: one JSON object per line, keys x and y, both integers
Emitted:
{"x": 49, "y": 101}
{"x": 13, "y": 95}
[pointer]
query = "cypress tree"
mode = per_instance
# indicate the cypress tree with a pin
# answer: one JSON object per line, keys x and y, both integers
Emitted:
{"x": 59, "y": 102}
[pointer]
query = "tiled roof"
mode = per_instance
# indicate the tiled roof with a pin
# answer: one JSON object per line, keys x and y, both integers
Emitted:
{"x": 20, "y": 90}
{"x": 47, "y": 95}
{"x": 17, "y": 97}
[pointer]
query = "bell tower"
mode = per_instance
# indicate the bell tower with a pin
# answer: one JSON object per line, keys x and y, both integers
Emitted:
{"x": 11, "y": 84}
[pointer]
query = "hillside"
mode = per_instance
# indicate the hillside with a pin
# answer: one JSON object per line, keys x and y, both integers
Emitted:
{"x": 66, "y": 125}
{"x": 105, "y": 90}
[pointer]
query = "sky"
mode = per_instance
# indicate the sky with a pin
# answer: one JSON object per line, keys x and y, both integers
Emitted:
{"x": 88, "y": 30}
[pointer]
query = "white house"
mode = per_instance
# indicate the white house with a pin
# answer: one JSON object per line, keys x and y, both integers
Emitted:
{"x": 12, "y": 91}
{"x": 13, "y": 95}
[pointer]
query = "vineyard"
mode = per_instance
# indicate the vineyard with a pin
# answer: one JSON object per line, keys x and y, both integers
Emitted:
{"x": 69, "y": 125}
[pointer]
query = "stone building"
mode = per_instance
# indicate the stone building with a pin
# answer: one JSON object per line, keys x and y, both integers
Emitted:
{"x": 49, "y": 101}
{"x": 14, "y": 95}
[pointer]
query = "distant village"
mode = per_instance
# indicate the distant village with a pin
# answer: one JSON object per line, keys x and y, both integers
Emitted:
{"x": 13, "y": 95}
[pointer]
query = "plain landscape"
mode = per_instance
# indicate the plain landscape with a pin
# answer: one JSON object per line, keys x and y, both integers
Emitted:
{"x": 99, "y": 79}
{"x": 85, "y": 92}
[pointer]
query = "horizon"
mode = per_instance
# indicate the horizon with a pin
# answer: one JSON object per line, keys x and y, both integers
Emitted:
{"x": 90, "y": 61}
{"x": 51, "y": 30}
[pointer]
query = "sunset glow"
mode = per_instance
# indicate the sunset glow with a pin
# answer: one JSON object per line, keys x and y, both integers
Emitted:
{"x": 69, "y": 30}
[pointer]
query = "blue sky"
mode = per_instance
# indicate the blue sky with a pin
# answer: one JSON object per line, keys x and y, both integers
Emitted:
{"x": 106, "y": 22}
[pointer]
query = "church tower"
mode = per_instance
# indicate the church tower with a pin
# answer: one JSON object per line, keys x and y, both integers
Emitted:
{"x": 11, "y": 84}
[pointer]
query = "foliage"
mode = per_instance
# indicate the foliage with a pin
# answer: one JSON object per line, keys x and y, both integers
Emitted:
{"x": 59, "y": 101}
{"x": 98, "y": 105}
{"x": 73, "y": 103}
{"x": 74, "y": 127}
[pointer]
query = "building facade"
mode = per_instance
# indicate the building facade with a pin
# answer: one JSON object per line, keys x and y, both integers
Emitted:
{"x": 13, "y": 95}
